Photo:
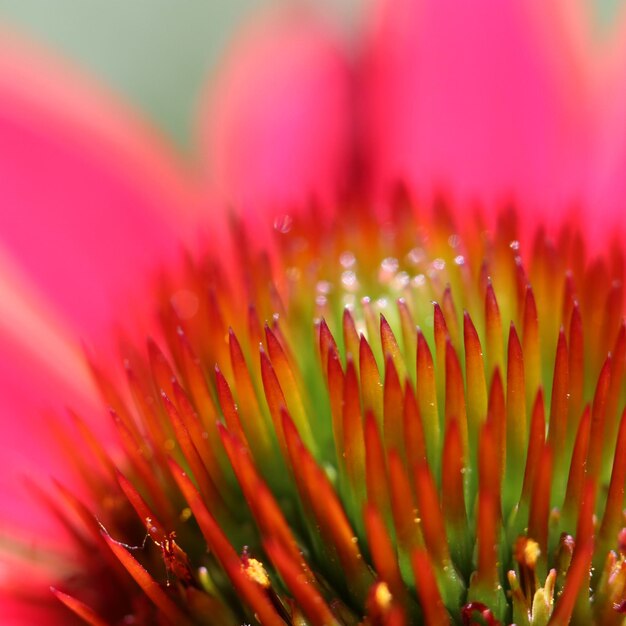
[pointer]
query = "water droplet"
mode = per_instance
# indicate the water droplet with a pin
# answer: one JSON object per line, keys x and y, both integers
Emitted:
{"x": 415, "y": 256}
{"x": 347, "y": 259}
{"x": 387, "y": 270}
{"x": 390, "y": 264}
{"x": 324, "y": 287}
{"x": 459, "y": 260}
{"x": 283, "y": 223}
{"x": 349, "y": 280}
{"x": 401, "y": 281}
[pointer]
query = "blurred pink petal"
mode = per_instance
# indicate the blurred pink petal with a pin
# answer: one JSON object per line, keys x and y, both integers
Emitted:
{"x": 90, "y": 196}
{"x": 91, "y": 202}
{"x": 490, "y": 102}
{"x": 277, "y": 122}
{"x": 25, "y": 604}
{"x": 459, "y": 97}
{"x": 14, "y": 612}
{"x": 589, "y": 63}
{"x": 606, "y": 180}
{"x": 607, "y": 95}
{"x": 42, "y": 368}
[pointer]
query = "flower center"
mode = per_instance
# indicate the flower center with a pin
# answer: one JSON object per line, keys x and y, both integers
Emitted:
{"x": 402, "y": 421}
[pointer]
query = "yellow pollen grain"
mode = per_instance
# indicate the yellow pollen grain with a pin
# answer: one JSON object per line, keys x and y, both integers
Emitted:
{"x": 383, "y": 596}
{"x": 531, "y": 553}
{"x": 256, "y": 572}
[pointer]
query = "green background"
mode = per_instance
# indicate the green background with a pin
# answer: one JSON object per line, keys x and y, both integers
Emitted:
{"x": 157, "y": 53}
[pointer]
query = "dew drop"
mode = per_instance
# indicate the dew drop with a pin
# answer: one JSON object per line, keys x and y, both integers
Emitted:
{"x": 349, "y": 280}
{"x": 323, "y": 287}
{"x": 419, "y": 280}
{"x": 283, "y": 223}
{"x": 415, "y": 256}
{"x": 347, "y": 259}
{"x": 388, "y": 268}
{"x": 400, "y": 281}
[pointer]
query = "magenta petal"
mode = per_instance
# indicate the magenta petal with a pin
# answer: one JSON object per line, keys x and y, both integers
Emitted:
{"x": 90, "y": 200}
{"x": 590, "y": 65}
{"x": 15, "y": 612}
{"x": 42, "y": 371}
{"x": 606, "y": 189}
{"x": 32, "y": 399}
{"x": 460, "y": 98}
{"x": 277, "y": 119}
{"x": 90, "y": 197}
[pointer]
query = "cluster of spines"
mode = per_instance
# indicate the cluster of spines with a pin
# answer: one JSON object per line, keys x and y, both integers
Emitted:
{"x": 438, "y": 474}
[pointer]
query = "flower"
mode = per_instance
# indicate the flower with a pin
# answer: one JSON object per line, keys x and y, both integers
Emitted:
{"x": 389, "y": 414}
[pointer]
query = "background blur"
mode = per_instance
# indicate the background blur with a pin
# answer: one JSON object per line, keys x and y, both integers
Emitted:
{"x": 156, "y": 53}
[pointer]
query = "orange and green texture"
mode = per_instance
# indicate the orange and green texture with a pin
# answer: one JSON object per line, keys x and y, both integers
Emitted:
{"x": 365, "y": 421}
{"x": 383, "y": 412}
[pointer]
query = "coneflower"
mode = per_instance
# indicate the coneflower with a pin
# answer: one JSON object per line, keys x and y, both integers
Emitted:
{"x": 365, "y": 421}
{"x": 384, "y": 413}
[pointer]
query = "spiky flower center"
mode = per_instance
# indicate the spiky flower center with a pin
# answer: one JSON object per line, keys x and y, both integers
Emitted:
{"x": 368, "y": 421}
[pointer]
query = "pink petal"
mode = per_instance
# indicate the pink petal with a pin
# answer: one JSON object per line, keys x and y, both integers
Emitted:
{"x": 594, "y": 61}
{"x": 42, "y": 371}
{"x": 459, "y": 97}
{"x": 90, "y": 196}
{"x": 606, "y": 184}
{"x": 14, "y": 612}
{"x": 92, "y": 201}
{"x": 276, "y": 125}
{"x": 25, "y": 595}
